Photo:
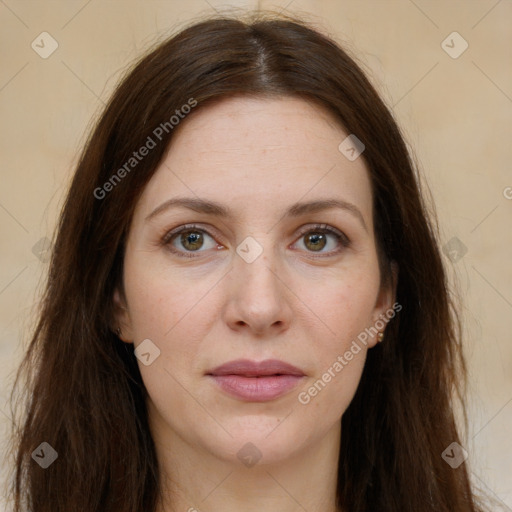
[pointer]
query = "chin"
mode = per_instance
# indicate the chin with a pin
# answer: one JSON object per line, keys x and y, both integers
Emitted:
{"x": 258, "y": 440}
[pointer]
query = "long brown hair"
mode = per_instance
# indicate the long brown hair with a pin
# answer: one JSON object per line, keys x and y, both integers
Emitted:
{"x": 84, "y": 393}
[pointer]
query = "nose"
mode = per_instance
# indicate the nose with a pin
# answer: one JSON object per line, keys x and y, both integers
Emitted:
{"x": 259, "y": 297}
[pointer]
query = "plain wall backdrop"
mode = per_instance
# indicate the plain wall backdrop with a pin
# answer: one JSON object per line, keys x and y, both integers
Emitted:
{"x": 443, "y": 67}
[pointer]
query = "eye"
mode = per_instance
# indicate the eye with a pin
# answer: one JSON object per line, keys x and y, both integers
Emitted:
{"x": 190, "y": 238}
{"x": 316, "y": 238}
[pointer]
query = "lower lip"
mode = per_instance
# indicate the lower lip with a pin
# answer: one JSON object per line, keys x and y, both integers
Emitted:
{"x": 257, "y": 389}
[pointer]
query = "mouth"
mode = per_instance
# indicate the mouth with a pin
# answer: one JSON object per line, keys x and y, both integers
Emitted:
{"x": 254, "y": 381}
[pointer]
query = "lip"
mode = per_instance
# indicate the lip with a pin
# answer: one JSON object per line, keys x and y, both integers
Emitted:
{"x": 255, "y": 381}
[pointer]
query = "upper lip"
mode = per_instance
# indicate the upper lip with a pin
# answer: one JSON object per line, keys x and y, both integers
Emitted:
{"x": 248, "y": 368}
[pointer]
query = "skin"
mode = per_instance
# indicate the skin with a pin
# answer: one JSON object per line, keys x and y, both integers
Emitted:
{"x": 258, "y": 157}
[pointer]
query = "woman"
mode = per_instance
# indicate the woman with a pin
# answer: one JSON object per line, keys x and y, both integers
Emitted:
{"x": 246, "y": 306}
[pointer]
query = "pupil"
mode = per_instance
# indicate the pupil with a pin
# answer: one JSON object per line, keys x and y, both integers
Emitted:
{"x": 315, "y": 239}
{"x": 191, "y": 239}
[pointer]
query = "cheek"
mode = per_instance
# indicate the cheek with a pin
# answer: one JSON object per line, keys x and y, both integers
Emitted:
{"x": 167, "y": 313}
{"x": 330, "y": 392}
{"x": 340, "y": 362}
{"x": 174, "y": 318}
{"x": 163, "y": 299}
{"x": 345, "y": 305}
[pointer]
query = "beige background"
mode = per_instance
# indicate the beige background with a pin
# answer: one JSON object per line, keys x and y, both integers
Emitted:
{"x": 456, "y": 113}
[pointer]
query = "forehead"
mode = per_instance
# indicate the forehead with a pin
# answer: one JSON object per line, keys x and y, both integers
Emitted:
{"x": 250, "y": 152}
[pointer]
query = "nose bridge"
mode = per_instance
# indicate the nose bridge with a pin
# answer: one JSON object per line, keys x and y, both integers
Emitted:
{"x": 256, "y": 264}
{"x": 259, "y": 296}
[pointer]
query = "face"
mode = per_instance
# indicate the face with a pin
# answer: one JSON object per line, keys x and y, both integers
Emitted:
{"x": 260, "y": 281}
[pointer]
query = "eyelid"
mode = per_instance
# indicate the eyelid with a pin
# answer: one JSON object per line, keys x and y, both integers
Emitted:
{"x": 183, "y": 228}
{"x": 341, "y": 237}
{"x": 344, "y": 239}
{"x": 166, "y": 239}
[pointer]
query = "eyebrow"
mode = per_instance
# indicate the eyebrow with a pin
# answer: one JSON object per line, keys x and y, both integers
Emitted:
{"x": 222, "y": 211}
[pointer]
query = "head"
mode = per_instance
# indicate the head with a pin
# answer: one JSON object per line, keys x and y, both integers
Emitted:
{"x": 251, "y": 121}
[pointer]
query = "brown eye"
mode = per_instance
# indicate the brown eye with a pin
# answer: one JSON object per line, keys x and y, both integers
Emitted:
{"x": 317, "y": 238}
{"x": 187, "y": 240}
{"x": 191, "y": 240}
{"x": 315, "y": 241}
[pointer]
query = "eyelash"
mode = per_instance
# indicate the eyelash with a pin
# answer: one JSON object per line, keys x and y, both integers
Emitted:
{"x": 316, "y": 228}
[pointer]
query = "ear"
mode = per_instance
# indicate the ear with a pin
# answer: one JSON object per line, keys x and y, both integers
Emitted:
{"x": 122, "y": 319}
{"x": 384, "y": 309}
